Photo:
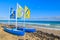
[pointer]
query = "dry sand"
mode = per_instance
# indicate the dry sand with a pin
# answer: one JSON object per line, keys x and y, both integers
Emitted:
{"x": 40, "y": 34}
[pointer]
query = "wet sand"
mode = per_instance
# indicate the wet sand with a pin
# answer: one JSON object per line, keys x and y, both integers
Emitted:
{"x": 40, "y": 34}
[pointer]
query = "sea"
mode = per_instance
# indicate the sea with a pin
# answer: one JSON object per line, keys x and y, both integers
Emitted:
{"x": 43, "y": 24}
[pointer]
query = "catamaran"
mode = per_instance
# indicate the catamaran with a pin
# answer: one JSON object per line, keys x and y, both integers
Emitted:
{"x": 14, "y": 30}
{"x": 27, "y": 16}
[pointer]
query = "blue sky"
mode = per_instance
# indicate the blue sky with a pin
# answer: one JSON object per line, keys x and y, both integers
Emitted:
{"x": 39, "y": 8}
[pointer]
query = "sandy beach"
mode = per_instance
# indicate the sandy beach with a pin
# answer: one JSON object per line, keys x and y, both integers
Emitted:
{"x": 40, "y": 34}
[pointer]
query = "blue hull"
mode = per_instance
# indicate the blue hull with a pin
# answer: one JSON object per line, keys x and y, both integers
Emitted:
{"x": 14, "y": 31}
{"x": 30, "y": 30}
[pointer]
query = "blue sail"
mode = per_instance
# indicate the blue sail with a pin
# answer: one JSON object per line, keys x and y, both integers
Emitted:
{"x": 12, "y": 14}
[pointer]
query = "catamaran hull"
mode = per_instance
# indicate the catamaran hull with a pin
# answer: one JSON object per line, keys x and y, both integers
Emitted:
{"x": 14, "y": 31}
{"x": 30, "y": 30}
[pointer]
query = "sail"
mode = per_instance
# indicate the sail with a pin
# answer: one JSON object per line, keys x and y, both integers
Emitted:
{"x": 19, "y": 11}
{"x": 27, "y": 12}
{"x": 12, "y": 13}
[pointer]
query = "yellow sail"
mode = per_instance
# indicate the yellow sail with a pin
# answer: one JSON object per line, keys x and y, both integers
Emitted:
{"x": 27, "y": 12}
{"x": 19, "y": 11}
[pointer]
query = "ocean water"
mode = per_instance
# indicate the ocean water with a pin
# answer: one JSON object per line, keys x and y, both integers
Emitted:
{"x": 46, "y": 24}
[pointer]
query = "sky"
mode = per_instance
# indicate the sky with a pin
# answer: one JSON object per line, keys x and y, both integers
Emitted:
{"x": 40, "y": 9}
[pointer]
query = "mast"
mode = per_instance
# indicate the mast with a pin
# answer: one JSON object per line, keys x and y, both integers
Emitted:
{"x": 26, "y": 13}
{"x": 24, "y": 18}
{"x": 16, "y": 17}
{"x": 9, "y": 16}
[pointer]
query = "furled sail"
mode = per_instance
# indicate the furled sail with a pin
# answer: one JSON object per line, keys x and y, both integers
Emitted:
{"x": 19, "y": 11}
{"x": 27, "y": 12}
{"x": 12, "y": 13}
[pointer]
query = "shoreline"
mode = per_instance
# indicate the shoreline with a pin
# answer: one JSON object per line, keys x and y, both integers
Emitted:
{"x": 41, "y": 25}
